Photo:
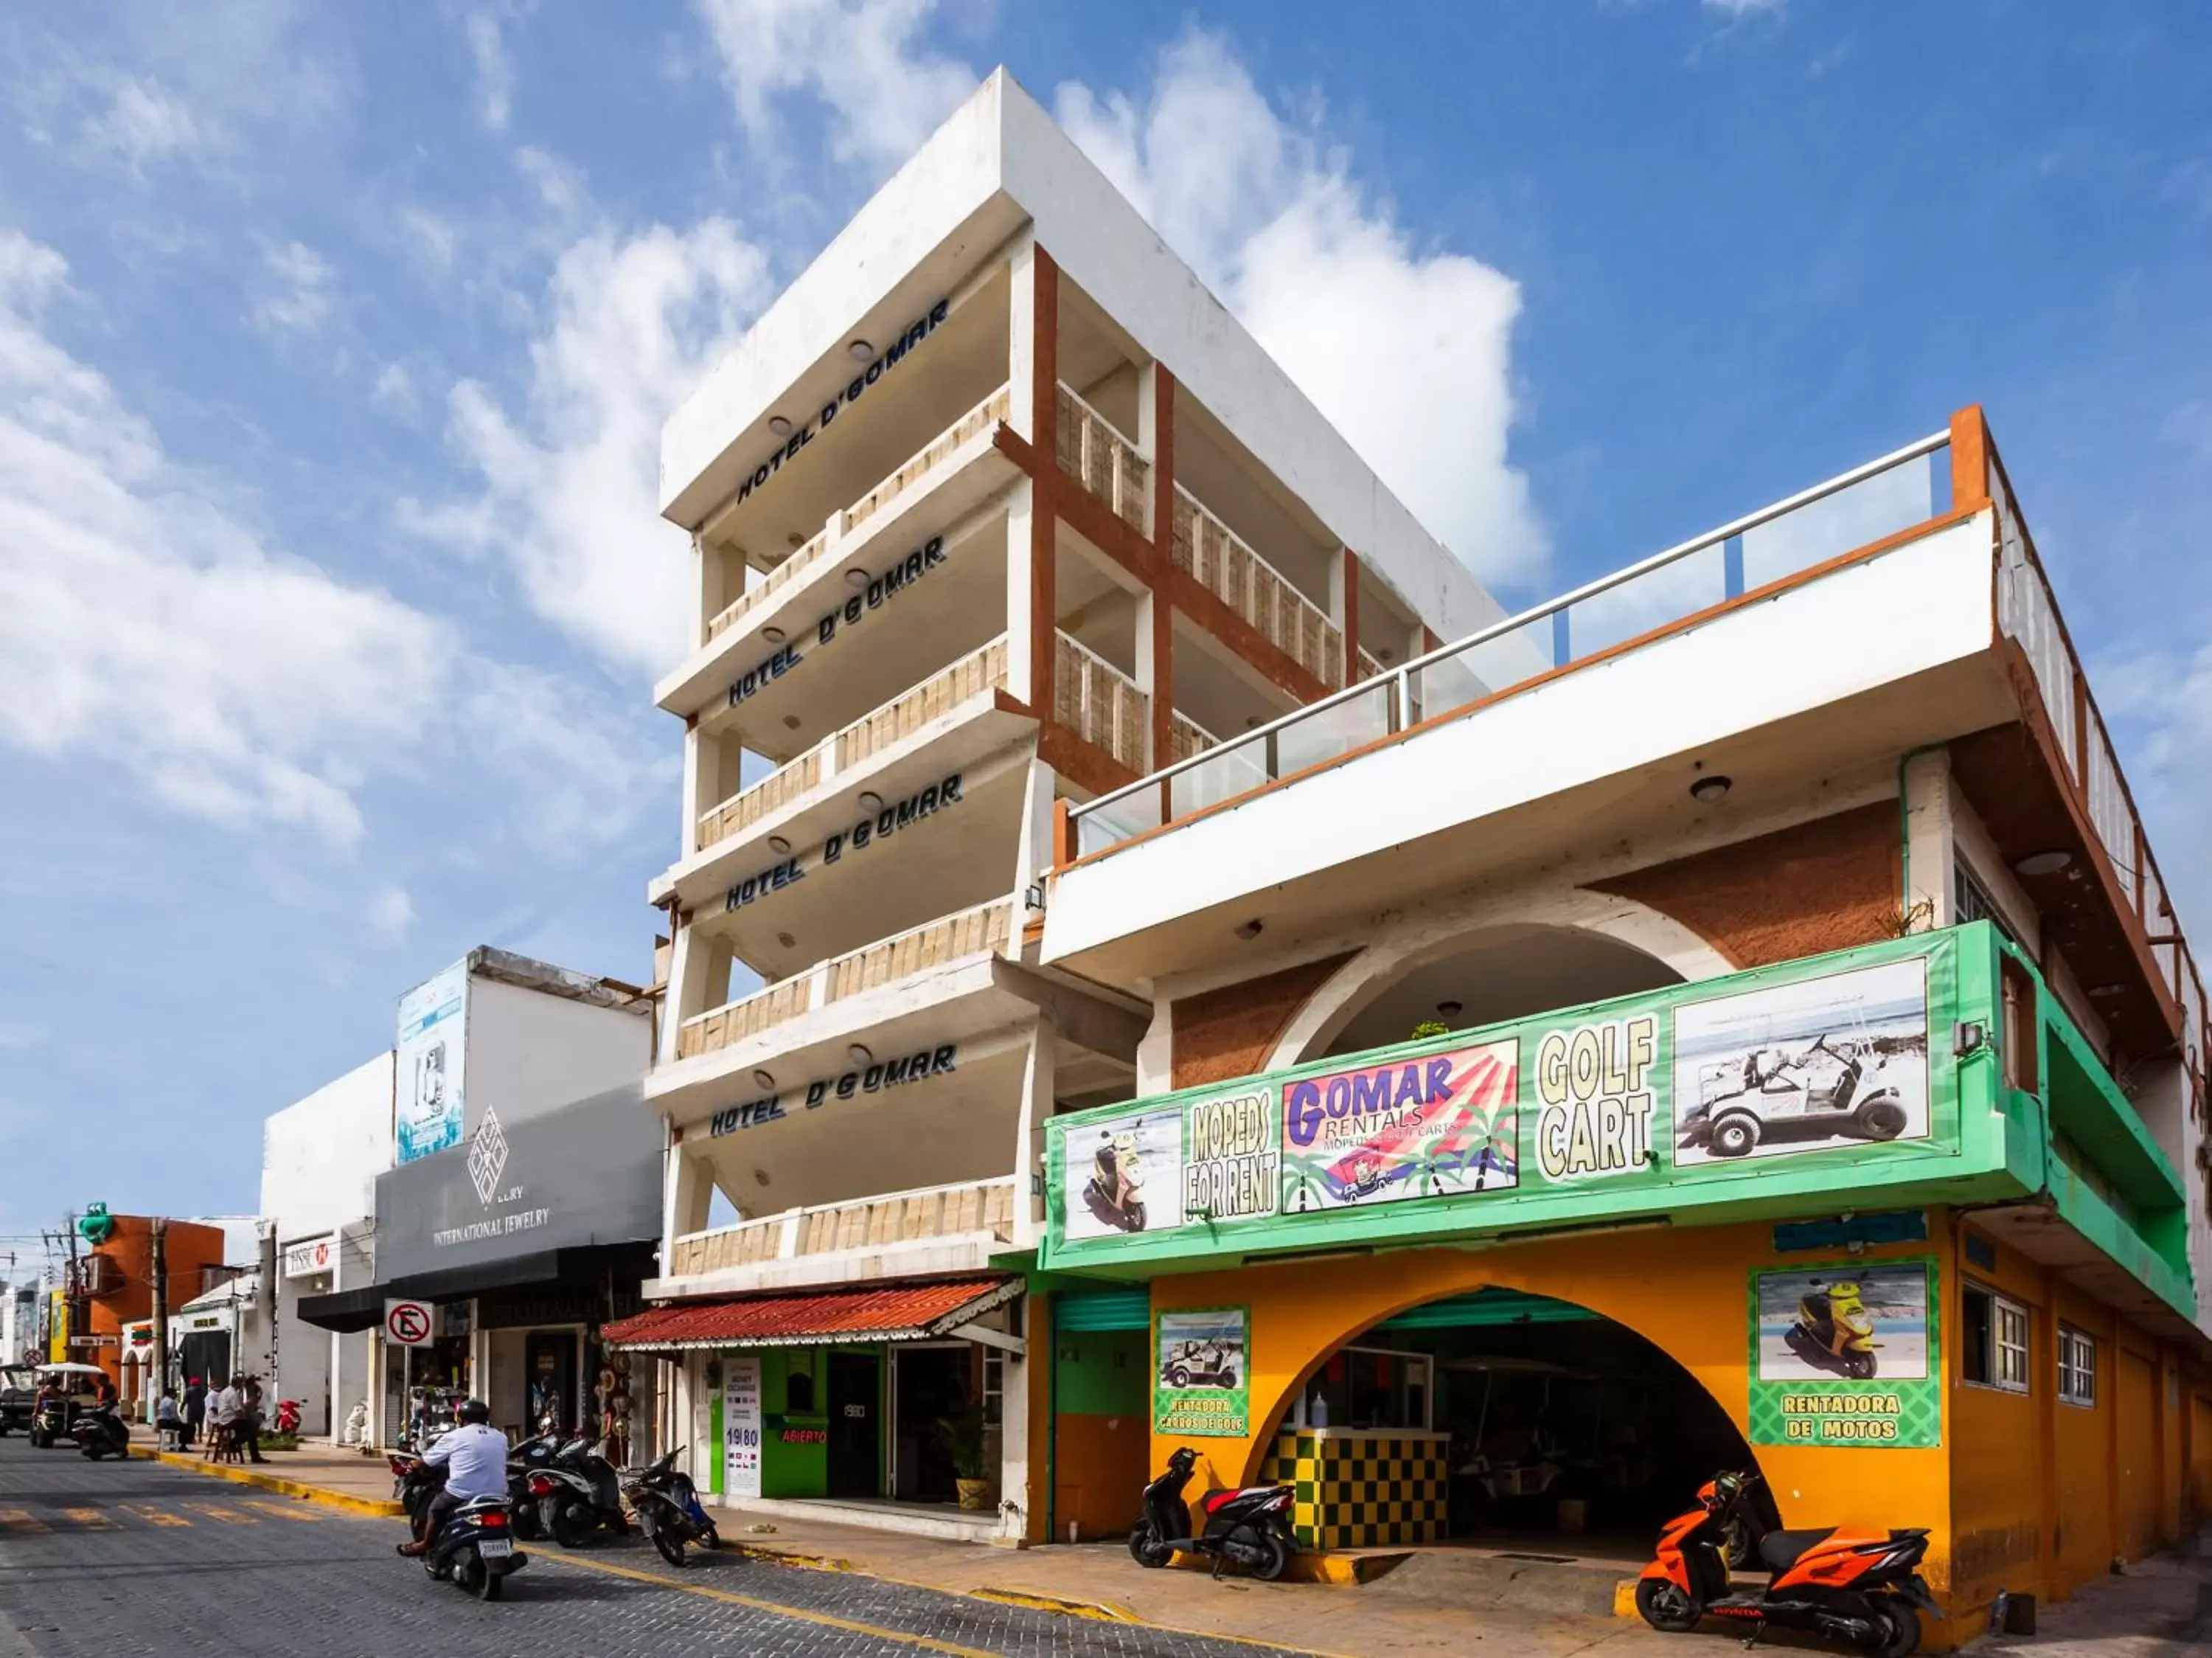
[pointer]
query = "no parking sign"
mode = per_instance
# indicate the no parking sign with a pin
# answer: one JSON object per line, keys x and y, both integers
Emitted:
{"x": 407, "y": 1324}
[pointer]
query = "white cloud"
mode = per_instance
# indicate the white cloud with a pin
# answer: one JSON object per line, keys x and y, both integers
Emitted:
{"x": 1744, "y": 8}
{"x": 494, "y": 74}
{"x": 144, "y": 122}
{"x": 296, "y": 294}
{"x": 631, "y": 325}
{"x": 393, "y": 388}
{"x": 391, "y": 914}
{"x": 147, "y": 621}
{"x": 857, "y": 58}
{"x": 1408, "y": 351}
{"x": 2163, "y": 700}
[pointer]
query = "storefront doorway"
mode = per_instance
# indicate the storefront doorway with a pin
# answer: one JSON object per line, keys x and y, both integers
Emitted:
{"x": 1532, "y": 1416}
{"x": 549, "y": 1360}
{"x": 854, "y": 1429}
{"x": 930, "y": 1399}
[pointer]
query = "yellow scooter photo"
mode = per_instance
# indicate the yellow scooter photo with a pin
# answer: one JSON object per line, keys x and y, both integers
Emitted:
{"x": 1834, "y": 1332}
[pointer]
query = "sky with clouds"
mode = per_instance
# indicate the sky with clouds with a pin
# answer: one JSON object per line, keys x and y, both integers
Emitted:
{"x": 334, "y": 344}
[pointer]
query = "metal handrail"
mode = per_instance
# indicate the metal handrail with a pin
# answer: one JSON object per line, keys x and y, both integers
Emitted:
{"x": 1401, "y": 677}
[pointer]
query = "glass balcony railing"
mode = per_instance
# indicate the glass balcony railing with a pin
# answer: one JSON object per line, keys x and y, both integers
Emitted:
{"x": 1900, "y": 490}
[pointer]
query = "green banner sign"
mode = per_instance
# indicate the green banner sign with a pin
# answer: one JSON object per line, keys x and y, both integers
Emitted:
{"x": 1846, "y": 1354}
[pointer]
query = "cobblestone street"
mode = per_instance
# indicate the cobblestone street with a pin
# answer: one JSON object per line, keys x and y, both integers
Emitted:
{"x": 100, "y": 1560}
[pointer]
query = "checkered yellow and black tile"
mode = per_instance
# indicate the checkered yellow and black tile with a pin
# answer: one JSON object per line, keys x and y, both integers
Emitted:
{"x": 1364, "y": 1492}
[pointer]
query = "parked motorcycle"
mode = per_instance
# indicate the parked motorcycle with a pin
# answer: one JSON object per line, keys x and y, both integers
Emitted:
{"x": 99, "y": 1432}
{"x": 1834, "y": 1332}
{"x": 577, "y": 1493}
{"x": 522, "y": 1461}
{"x": 287, "y": 1416}
{"x": 475, "y": 1548}
{"x": 1863, "y": 1589}
{"x": 668, "y": 1511}
{"x": 1250, "y": 1528}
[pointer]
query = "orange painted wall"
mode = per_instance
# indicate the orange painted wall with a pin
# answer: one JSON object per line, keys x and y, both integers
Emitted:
{"x": 2200, "y": 1455}
{"x": 1686, "y": 1291}
{"x": 188, "y": 1248}
{"x": 2082, "y": 1523}
{"x": 2002, "y": 1465}
{"x": 2136, "y": 1475}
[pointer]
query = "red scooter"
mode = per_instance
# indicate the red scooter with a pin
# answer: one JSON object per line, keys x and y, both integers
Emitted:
{"x": 1860, "y": 1588}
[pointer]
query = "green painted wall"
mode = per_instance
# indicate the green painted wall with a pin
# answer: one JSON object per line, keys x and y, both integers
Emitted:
{"x": 1102, "y": 1372}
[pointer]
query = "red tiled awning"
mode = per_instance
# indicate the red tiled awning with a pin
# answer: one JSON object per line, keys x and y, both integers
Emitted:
{"x": 916, "y": 1312}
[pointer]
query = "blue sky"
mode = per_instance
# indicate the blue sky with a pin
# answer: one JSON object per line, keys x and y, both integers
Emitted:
{"x": 334, "y": 342}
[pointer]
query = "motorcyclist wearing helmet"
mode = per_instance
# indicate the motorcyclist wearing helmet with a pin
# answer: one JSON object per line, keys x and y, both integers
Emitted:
{"x": 475, "y": 1454}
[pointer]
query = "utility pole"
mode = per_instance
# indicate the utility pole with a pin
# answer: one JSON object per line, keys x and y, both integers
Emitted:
{"x": 158, "y": 1367}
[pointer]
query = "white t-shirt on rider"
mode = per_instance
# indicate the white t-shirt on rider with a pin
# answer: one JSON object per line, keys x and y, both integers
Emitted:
{"x": 477, "y": 1451}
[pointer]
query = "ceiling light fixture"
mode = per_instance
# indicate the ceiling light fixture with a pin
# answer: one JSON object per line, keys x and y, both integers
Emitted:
{"x": 2106, "y": 992}
{"x": 858, "y": 1054}
{"x": 856, "y": 577}
{"x": 1450, "y": 1010}
{"x": 2045, "y": 864}
{"x": 761, "y": 1175}
{"x": 1249, "y": 930}
{"x": 786, "y": 940}
{"x": 860, "y": 351}
{"x": 766, "y": 1079}
{"x": 773, "y": 635}
{"x": 870, "y": 801}
{"x": 791, "y": 721}
{"x": 779, "y": 425}
{"x": 1709, "y": 790}
{"x": 794, "y": 541}
{"x": 778, "y": 845}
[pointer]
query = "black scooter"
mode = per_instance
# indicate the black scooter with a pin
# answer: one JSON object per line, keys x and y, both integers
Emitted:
{"x": 49, "y": 1424}
{"x": 577, "y": 1493}
{"x": 475, "y": 1548}
{"x": 1250, "y": 1528}
{"x": 668, "y": 1511}
{"x": 99, "y": 1432}
{"x": 522, "y": 1461}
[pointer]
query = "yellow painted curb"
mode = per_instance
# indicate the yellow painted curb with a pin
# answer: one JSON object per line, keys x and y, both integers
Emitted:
{"x": 788, "y": 1557}
{"x": 1099, "y": 1610}
{"x": 1338, "y": 1571}
{"x": 380, "y": 1509}
{"x": 1624, "y": 1598}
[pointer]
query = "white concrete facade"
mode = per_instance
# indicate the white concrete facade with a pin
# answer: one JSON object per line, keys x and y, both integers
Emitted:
{"x": 993, "y": 510}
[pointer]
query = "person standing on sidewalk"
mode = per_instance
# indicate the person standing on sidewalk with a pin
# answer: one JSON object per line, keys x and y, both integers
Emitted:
{"x": 196, "y": 1394}
{"x": 222, "y": 1418}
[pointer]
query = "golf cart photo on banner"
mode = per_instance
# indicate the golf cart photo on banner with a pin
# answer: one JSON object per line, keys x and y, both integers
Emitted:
{"x": 1202, "y": 1375}
{"x": 1829, "y": 1063}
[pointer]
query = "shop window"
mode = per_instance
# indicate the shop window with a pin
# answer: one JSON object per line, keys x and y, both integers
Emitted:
{"x": 798, "y": 1393}
{"x": 1970, "y": 901}
{"x": 1993, "y": 1347}
{"x": 2077, "y": 1366}
{"x": 1369, "y": 1388}
{"x": 995, "y": 1387}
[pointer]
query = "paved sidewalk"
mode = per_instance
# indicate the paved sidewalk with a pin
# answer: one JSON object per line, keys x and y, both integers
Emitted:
{"x": 341, "y": 1479}
{"x": 2162, "y": 1609}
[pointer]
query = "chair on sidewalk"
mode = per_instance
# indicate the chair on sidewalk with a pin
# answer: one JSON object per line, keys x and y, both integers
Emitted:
{"x": 222, "y": 1444}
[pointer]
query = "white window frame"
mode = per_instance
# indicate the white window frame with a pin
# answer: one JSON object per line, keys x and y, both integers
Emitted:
{"x": 2009, "y": 1360}
{"x": 2077, "y": 1367}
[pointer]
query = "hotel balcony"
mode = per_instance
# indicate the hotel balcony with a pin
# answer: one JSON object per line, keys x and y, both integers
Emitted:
{"x": 943, "y": 486}
{"x": 1899, "y": 605}
{"x": 933, "y": 1231}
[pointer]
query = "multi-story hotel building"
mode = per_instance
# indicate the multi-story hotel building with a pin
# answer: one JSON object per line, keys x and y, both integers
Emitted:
{"x": 1227, "y": 983}
{"x": 994, "y": 510}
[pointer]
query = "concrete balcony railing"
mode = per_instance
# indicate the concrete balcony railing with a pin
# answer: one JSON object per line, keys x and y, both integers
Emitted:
{"x": 981, "y": 418}
{"x": 973, "y": 1208}
{"x": 987, "y": 927}
{"x": 839, "y": 753}
{"x": 1092, "y": 452}
{"x": 805, "y": 558}
{"x": 1100, "y": 703}
{"x": 1220, "y": 561}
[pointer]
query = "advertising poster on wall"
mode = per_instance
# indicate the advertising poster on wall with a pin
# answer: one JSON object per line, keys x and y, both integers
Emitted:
{"x": 1829, "y": 1063}
{"x": 1125, "y": 1176}
{"x": 741, "y": 1425}
{"x": 1442, "y": 1125}
{"x": 433, "y": 1028}
{"x": 1202, "y": 1384}
{"x": 1598, "y": 1091}
{"x": 1232, "y": 1160}
{"x": 1846, "y": 1355}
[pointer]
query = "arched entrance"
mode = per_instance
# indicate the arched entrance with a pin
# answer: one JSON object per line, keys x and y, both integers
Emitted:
{"x": 1488, "y": 973}
{"x": 1498, "y": 1415}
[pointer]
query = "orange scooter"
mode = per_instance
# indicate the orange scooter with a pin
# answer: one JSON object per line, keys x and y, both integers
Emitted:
{"x": 1864, "y": 1588}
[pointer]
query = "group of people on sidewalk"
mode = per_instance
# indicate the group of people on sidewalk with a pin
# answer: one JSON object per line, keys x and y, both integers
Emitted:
{"x": 228, "y": 1412}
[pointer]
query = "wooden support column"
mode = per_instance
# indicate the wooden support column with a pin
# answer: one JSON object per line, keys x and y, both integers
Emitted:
{"x": 1044, "y": 488}
{"x": 1350, "y": 620}
{"x": 1970, "y": 458}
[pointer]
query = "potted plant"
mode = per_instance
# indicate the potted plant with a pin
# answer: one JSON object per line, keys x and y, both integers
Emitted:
{"x": 963, "y": 1440}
